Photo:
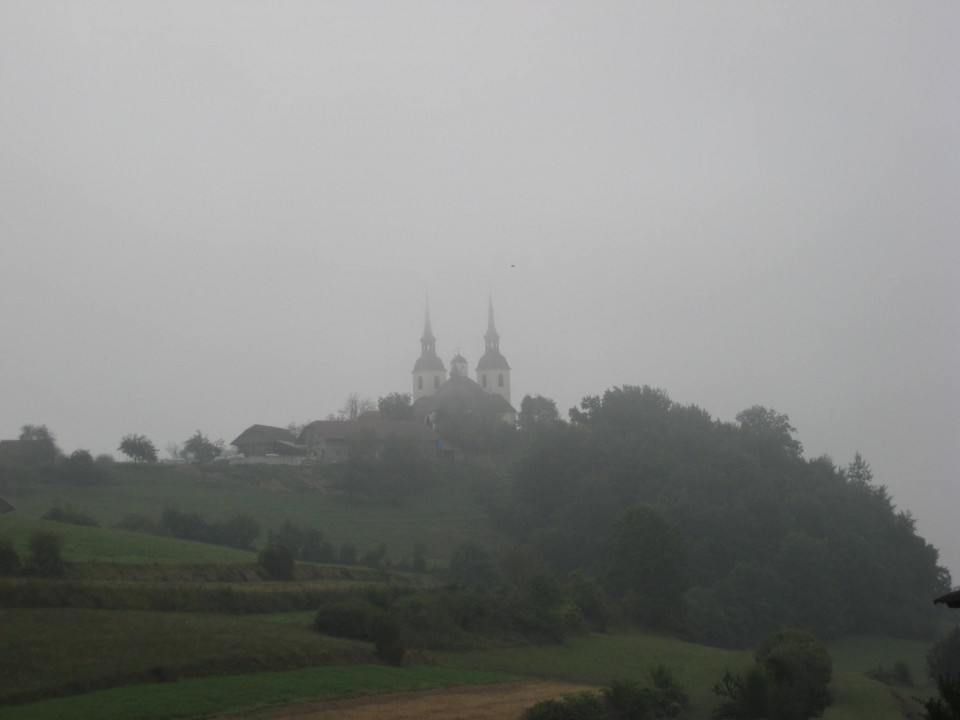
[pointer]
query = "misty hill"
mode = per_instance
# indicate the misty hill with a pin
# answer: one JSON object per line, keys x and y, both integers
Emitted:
{"x": 716, "y": 531}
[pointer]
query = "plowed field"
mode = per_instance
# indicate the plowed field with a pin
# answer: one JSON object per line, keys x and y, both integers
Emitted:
{"x": 488, "y": 702}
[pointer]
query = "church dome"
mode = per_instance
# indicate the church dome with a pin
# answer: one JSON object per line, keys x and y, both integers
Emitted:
{"x": 492, "y": 360}
{"x": 429, "y": 362}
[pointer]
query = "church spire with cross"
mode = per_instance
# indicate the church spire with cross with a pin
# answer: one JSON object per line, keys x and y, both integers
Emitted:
{"x": 429, "y": 371}
{"x": 493, "y": 371}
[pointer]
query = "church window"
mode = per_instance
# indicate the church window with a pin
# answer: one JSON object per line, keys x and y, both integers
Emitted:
{"x": 436, "y": 381}
{"x": 484, "y": 381}
{"x": 500, "y": 380}
{"x": 420, "y": 383}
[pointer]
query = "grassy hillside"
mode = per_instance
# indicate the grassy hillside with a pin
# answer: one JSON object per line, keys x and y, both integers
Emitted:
{"x": 66, "y": 650}
{"x": 107, "y": 545}
{"x": 597, "y": 659}
{"x": 215, "y": 696}
{"x": 442, "y": 518}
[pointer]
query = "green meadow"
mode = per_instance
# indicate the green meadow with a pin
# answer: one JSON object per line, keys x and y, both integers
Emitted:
{"x": 451, "y": 513}
{"x": 201, "y": 697}
{"x": 153, "y": 627}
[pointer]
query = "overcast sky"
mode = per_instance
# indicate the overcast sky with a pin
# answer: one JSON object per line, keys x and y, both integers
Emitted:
{"x": 214, "y": 214}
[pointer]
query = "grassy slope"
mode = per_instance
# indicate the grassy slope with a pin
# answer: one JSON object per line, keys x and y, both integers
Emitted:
{"x": 442, "y": 518}
{"x": 215, "y": 696}
{"x": 69, "y": 650}
{"x": 108, "y": 545}
{"x": 597, "y": 659}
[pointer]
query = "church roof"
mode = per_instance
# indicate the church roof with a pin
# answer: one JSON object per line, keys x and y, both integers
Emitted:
{"x": 429, "y": 362}
{"x": 492, "y": 360}
{"x": 460, "y": 393}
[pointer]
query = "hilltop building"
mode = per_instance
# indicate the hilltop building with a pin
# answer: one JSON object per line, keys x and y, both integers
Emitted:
{"x": 433, "y": 390}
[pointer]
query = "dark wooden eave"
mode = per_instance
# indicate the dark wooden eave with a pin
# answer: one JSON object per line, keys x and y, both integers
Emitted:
{"x": 951, "y": 599}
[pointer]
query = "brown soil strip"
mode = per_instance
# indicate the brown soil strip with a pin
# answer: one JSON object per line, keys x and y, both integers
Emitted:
{"x": 505, "y": 701}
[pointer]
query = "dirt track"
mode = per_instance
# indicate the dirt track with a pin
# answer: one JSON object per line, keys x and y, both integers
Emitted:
{"x": 505, "y": 701}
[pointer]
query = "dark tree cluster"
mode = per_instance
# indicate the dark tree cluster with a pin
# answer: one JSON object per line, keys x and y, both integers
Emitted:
{"x": 758, "y": 537}
{"x": 238, "y": 531}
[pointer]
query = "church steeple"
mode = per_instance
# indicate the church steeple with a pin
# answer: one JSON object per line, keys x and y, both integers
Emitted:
{"x": 428, "y": 342}
{"x": 429, "y": 371}
{"x": 491, "y": 337}
{"x": 493, "y": 372}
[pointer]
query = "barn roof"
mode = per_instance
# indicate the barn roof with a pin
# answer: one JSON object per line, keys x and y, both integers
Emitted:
{"x": 264, "y": 433}
{"x": 381, "y": 429}
{"x": 6, "y": 506}
{"x": 951, "y": 599}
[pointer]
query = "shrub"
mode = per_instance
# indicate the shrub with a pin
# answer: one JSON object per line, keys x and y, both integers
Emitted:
{"x": 304, "y": 543}
{"x": 45, "y": 559}
{"x": 375, "y": 558}
{"x": 69, "y": 515}
{"x": 348, "y": 554}
{"x": 277, "y": 562}
{"x": 788, "y": 682}
{"x": 670, "y": 698}
{"x": 9, "y": 559}
{"x": 387, "y": 640}
{"x": 579, "y": 706}
{"x": 345, "y": 619}
{"x": 136, "y": 522}
{"x": 472, "y": 564}
{"x": 944, "y": 657}
{"x": 627, "y": 700}
{"x": 947, "y": 706}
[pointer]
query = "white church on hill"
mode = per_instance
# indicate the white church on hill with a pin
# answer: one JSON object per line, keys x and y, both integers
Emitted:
{"x": 433, "y": 389}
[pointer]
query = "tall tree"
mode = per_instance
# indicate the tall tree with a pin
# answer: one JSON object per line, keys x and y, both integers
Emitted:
{"x": 537, "y": 411}
{"x": 646, "y": 565}
{"x": 770, "y": 428}
{"x": 138, "y": 448}
{"x": 858, "y": 471}
{"x": 38, "y": 444}
{"x": 354, "y": 406}
{"x": 396, "y": 406}
{"x": 201, "y": 448}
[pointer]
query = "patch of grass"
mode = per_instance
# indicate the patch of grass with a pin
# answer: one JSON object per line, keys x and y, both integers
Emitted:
{"x": 273, "y": 494}
{"x": 857, "y": 697}
{"x": 215, "y": 696}
{"x": 862, "y": 653}
{"x": 108, "y": 545}
{"x": 597, "y": 659}
{"x": 300, "y": 619}
{"x": 49, "y": 652}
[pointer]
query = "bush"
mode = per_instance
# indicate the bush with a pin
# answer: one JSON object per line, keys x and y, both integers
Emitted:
{"x": 788, "y": 682}
{"x": 70, "y": 516}
{"x": 387, "y": 641}
{"x": 947, "y": 706}
{"x": 670, "y": 698}
{"x": 345, "y": 619}
{"x": 45, "y": 559}
{"x": 943, "y": 660}
{"x": 347, "y": 554}
{"x": 136, "y": 522}
{"x": 579, "y": 706}
{"x": 277, "y": 562}
{"x": 9, "y": 559}
{"x": 304, "y": 543}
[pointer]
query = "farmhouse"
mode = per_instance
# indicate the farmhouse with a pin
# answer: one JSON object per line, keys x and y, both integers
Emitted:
{"x": 261, "y": 440}
{"x": 330, "y": 441}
